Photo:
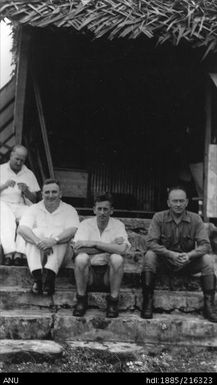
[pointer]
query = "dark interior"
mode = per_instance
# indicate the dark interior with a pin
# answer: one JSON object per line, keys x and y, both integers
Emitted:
{"x": 127, "y": 111}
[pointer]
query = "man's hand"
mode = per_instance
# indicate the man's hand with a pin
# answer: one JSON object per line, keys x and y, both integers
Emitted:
{"x": 118, "y": 241}
{"x": 23, "y": 187}
{"x": 79, "y": 244}
{"x": 46, "y": 244}
{"x": 183, "y": 258}
{"x": 176, "y": 259}
{"x": 9, "y": 183}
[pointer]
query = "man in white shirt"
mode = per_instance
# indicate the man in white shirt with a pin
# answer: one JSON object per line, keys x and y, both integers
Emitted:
{"x": 47, "y": 227}
{"x": 100, "y": 242}
{"x": 18, "y": 190}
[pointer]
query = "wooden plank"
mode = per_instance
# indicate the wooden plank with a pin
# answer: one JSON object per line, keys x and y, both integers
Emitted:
{"x": 43, "y": 127}
{"x": 5, "y": 142}
{"x": 208, "y": 129}
{"x": 212, "y": 182}
{"x": 21, "y": 79}
{"x": 7, "y": 94}
{"x": 6, "y": 116}
{"x": 8, "y": 130}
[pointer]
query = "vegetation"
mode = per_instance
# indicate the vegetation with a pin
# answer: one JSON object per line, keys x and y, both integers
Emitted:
{"x": 157, "y": 359}
{"x": 194, "y": 21}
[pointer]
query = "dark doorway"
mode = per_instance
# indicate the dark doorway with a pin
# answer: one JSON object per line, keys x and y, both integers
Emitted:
{"x": 129, "y": 113}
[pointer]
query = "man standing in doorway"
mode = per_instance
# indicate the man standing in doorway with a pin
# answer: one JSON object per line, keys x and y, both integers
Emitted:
{"x": 18, "y": 189}
{"x": 178, "y": 241}
{"x": 100, "y": 244}
{"x": 47, "y": 228}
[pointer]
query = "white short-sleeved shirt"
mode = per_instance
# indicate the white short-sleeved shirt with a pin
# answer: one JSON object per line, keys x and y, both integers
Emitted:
{"x": 89, "y": 231}
{"x": 50, "y": 224}
{"x": 13, "y": 194}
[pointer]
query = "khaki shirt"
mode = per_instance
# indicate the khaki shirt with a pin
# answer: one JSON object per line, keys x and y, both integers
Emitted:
{"x": 165, "y": 235}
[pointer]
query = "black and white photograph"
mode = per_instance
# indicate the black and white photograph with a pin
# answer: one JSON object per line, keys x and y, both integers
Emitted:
{"x": 108, "y": 191}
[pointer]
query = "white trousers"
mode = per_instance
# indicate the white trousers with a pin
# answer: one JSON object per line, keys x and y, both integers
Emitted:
{"x": 10, "y": 214}
{"x": 35, "y": 257}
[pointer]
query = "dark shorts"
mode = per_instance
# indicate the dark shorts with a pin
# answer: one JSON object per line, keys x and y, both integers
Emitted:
{"x": 98, "y": 278}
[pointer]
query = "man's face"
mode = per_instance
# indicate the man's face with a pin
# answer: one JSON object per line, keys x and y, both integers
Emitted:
{"x": 17, "y": 159}
{"x": 103, "y": 210}
{"x": 177, "y": 201}
{"x": 51, "y": 193}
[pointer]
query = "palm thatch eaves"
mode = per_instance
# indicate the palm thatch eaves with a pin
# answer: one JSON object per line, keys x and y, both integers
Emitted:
{"x": 194, "y": 21}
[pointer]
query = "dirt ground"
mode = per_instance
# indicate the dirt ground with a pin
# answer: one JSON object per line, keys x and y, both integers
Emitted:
{"x": 154, "y": 359}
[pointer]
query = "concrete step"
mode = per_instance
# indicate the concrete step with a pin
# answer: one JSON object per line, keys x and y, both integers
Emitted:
{"x": 20, "y": 276}
{"x": 15, "y": 297}
{"x": 26, "y": 324}
{"x": 163, "y": 328}
{"x": 63, "y": 326}
{"x": 23, "y": 350}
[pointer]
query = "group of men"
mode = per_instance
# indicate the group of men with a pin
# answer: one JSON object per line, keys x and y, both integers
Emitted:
{"x": 46, "y": 231}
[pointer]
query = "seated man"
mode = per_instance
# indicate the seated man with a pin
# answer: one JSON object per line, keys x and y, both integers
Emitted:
{"x": 47, "y": 227}
{"x": 177, "y": 241}
{"x": 100, "y": 242}
{"x": 18, "y": 189}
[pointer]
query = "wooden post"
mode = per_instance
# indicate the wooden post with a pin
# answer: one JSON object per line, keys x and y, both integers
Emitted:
{"x": 208, "y": 131}
{"x": 20, "y": 86}
{"x": 43, "y": 127}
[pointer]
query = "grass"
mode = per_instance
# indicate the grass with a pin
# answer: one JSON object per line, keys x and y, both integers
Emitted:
{"x": 154, "y": 359}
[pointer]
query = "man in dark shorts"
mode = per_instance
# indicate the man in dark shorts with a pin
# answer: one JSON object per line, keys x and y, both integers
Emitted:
{"x": 99, "y": 246}
{"x": 178, "y": 241}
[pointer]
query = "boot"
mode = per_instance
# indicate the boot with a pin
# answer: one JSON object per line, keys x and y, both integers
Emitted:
{"x": 37, "y": 285}
{"x": 49, "y": 282}
{"x": 208, "y": 287}
{"x": 81, "y": 305}
{"x": 147, "y": 279}
{"x": 112, "y": 307}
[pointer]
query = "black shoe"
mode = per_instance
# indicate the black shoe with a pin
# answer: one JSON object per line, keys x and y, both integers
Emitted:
{"x": 8, "y": 261}
{"x": 147, "y": 281}
{"x": 49, "y": 282}
{"x": 112, "y": 307}
{"x": 81, "y": 306}
{"x": 37, "y": 285}
{"x": 147, "y": 305}
{"x": 18, "y": 262}
{"x": 208, "y": 308}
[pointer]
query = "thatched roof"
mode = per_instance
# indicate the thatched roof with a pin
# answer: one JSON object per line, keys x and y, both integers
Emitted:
{"x": 194, "y": 21}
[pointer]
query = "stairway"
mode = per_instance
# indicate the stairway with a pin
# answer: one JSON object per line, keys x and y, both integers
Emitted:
{"x": 177, "y": 318}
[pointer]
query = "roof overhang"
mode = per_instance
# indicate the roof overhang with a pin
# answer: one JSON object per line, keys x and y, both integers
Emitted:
{"x": 192, "y": 21}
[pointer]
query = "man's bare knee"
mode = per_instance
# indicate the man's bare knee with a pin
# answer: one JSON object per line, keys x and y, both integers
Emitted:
{"x": 208, "y": 260}
{"x": 82, "y": 261}
{"x": 116, "y": 261}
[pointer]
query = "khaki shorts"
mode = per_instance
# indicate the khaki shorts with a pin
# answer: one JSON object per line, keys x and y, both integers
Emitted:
{"x": 99, "y": 278}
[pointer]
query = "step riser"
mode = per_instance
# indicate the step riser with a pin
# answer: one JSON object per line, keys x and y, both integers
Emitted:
{"x": 130, "y": 300}
{"x": 63, "y": 327}
{"x": 138, "y": 330}
{"x": 13, "y": 276}
{"x": 23, "y": 328}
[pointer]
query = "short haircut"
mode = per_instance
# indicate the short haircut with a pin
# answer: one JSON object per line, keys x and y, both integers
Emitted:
{"x": 174, "y": 188}
{"x": 51, "y": 180}
{"x": 104, "y": 197}
{"x": 19, "y": 147}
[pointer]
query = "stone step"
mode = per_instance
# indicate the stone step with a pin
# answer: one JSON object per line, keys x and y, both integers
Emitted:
{"x": 20, "y": 276}
{"x": 63, "y": 326}
{"x": 163, "y": 328}
{"x": 15, "y": 297}
{"x": 25, "y": 325}
{"x": 23, "y": 350}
